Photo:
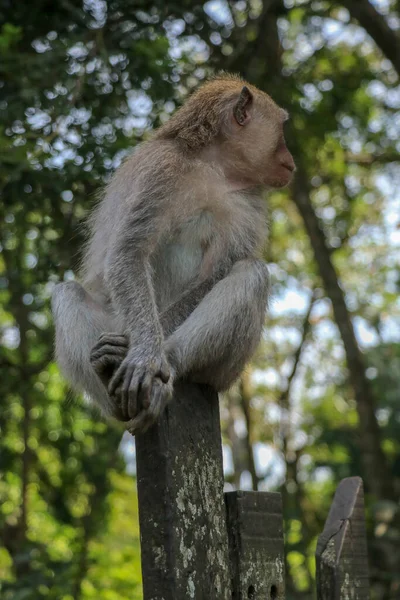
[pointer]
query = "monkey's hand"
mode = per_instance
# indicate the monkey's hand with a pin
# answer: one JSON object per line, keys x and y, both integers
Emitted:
{"x": 142, "y": 384}
{"x": 160, "y": 396}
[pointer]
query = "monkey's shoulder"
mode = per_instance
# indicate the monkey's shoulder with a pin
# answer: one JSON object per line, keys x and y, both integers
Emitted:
{"x": 154, "y": 162}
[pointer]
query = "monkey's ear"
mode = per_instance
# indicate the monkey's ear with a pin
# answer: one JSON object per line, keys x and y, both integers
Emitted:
{"x": 241, "y": 110}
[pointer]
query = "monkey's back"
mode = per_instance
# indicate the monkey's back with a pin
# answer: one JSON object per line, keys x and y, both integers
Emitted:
{"x": 152, "y": 170}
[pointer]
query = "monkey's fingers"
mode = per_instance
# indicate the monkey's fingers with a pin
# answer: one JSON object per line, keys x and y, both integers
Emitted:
{"x": 160, "y": 396}
{"x": 128, "y": 399}
{"x": 106, "y": 352}
{"x": 163, "y": 375}
{"x": 122, "y": 408}
{"x": 164, "y": 372}
{"x": 159, "y": 399}
{"x": 117, "y": 379}
{"x": 144, "y": 393}
{"x": 116, "y": 339}
{"x": 139, "y": 424}
{"x": 134, "y": 399}
{"x": 117, "y": 412}
{"x": 119, "y": 343}
{"x": 158, "y": 370}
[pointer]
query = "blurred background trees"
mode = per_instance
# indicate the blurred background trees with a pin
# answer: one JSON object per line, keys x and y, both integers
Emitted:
{"x": 81, "y": 83}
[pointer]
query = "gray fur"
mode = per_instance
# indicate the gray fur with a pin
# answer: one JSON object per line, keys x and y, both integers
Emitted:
{"x": 171, "y": 280}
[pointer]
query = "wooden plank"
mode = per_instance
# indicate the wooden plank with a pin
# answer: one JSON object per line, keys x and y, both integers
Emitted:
{"x": 341, "y": 555}
{"x": 181, "y": 508}
{"x": 256, "y": 551}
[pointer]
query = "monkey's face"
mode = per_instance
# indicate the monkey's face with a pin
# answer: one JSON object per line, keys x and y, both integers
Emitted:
{"x": 279, "y": 164}
{"x": 258, "y": 140}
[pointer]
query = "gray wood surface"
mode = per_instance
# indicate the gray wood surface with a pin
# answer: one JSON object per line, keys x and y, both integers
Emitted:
{"x": 181, "y": 506}
{"x": 341, "y": 555}
{"x": 255, "y": 530}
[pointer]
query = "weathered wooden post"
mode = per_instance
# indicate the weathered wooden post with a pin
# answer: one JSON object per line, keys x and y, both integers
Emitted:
{"x": 255, "y": 529}
{"x": 183, "y": 531}
{"x": 193, "y": 546}
{"x": 341, "y": 555}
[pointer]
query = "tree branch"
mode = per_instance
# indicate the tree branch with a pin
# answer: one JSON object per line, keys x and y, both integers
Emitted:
{"x": 245, "y": 399}
{"x": 284, "y": 397}
{"x": 370, "y": 159}
{"x": 377, "y": 28}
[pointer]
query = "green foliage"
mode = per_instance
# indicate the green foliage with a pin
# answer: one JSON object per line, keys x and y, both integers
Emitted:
{"x": 80, "y": 85}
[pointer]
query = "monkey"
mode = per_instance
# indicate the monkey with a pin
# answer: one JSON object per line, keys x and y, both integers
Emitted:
{"x": 172, "y": 282}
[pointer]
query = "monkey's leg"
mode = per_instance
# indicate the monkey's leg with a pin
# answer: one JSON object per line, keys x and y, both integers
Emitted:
{"x": 105, "y": 363}
{"x": 79, "y": 323}
{"x": 214, "y": 343}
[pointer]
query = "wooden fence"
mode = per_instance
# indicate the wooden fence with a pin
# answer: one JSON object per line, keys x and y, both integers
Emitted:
{"x": 201, "y": 544}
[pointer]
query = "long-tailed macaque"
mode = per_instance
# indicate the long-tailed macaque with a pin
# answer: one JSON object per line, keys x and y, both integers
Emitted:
{"x": 173, "y": 285}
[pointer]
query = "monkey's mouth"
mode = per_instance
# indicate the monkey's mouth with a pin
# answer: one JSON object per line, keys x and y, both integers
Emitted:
{"x": 289, "y": 167}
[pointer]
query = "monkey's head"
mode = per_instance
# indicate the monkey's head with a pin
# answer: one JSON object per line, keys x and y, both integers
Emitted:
{"x": 255, "y": 140}
{"x": 242, "y": 125}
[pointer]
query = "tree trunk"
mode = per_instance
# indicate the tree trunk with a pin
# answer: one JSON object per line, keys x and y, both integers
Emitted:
{"x": 376, "y": 473}
{"x": 265, "y": 66}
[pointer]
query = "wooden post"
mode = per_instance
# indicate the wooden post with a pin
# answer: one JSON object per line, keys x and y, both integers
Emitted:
{"x": 255, "y": 529}
{"x": 183, "y": 532}
{"x": 341, "y": 555}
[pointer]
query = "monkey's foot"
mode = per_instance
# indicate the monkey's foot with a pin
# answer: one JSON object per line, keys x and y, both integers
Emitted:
{"x": 161, "y": 394}
{"x": 132, "y": 383}
{"x": 107, "y": 355}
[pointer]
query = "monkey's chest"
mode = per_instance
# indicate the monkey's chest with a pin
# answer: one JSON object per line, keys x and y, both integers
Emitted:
{"x": 179, "y": 259}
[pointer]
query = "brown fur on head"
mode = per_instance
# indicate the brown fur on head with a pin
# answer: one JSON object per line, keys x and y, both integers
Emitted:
{"x": 199, "y": 121}
{"x": 240, "y": 125}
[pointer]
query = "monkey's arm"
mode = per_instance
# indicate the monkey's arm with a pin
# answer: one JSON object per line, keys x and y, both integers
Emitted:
{"x": 128, "y": 275}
